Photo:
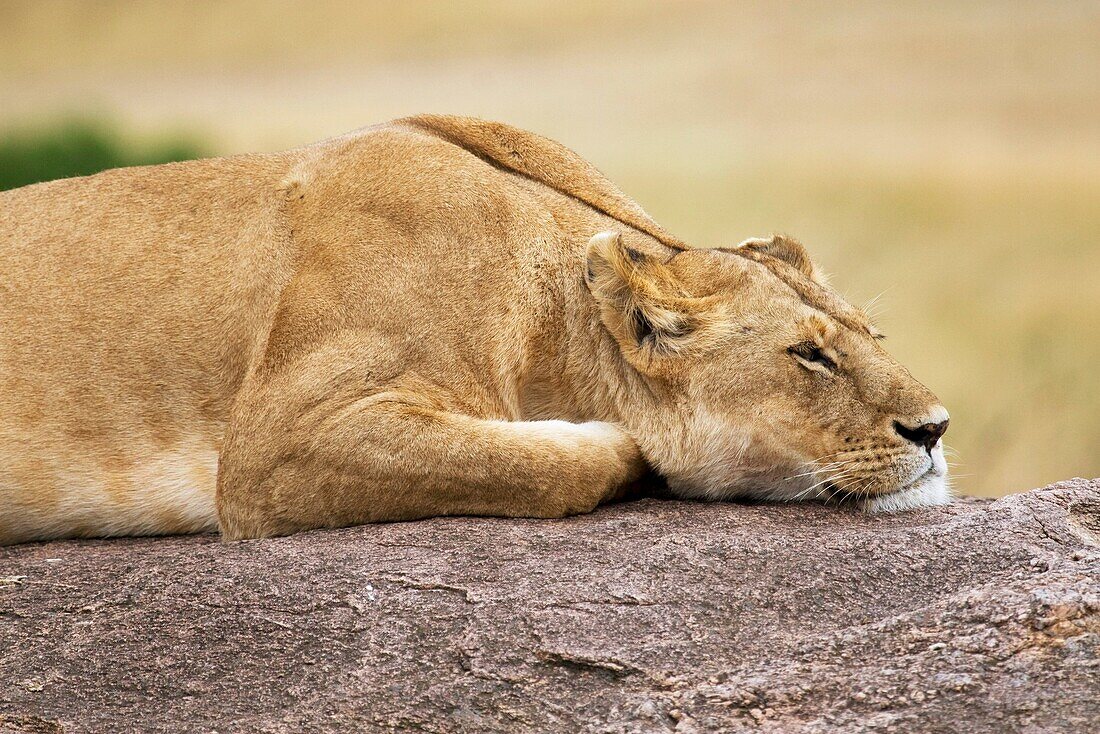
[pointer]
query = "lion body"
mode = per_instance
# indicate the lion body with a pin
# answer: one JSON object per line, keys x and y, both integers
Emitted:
{"x": 135, "y": 302}
{"x": 388, "y": 325}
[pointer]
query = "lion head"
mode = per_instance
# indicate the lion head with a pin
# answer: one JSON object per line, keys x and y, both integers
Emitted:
{"x": 760, "y": 381}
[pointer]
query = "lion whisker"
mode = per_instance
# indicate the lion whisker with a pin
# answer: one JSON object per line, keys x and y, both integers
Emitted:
{"x": 822, "y": 483}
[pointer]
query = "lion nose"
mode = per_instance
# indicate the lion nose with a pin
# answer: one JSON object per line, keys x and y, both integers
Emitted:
{"x": 926, "y": 434}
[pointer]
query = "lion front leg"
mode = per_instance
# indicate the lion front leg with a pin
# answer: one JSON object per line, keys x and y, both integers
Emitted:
{"x": 293, "y": 461}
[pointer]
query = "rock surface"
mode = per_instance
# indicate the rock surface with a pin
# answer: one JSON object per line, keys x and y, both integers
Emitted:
{"x": 643, "y": 617}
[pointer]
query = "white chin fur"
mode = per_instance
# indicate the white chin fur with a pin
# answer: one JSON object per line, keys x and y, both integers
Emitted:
{"x": 928, "y": 491}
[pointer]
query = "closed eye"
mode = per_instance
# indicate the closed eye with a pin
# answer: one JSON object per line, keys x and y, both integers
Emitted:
{"x": 811, "y": 353}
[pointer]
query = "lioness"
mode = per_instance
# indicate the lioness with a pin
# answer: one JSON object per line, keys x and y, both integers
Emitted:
{"x": 435, "y": 316}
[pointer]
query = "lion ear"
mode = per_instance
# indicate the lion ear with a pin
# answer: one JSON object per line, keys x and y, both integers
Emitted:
{"x": 640, "y": 301}
{"x": 790, "y": 251}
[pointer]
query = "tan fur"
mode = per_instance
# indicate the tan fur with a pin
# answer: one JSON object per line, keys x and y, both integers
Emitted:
{"x": 412, "y": 320}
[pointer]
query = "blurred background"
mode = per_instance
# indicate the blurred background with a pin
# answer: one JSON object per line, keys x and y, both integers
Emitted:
{"x": 942, "y": 158}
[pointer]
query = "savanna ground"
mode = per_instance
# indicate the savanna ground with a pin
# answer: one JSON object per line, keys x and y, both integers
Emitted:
{"x": 944, "y": 157}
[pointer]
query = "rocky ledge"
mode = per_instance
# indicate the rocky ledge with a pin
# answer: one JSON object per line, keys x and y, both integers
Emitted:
{"x": 648, "y": 616}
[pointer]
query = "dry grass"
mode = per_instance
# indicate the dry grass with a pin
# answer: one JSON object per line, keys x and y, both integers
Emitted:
{"x": 947, "y": 154}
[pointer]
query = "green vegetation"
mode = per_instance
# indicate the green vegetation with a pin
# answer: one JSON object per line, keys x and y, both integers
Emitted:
{"x": 79, "y": 148}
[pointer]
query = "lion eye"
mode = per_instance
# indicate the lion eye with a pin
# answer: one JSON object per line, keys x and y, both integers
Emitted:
{"x": 810, "y": 352}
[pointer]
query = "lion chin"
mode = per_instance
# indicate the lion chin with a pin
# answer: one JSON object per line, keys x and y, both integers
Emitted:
{"x": 929, "y": 490}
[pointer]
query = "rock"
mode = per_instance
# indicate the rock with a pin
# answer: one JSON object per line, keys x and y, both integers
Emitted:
{"x": 649, "y": 616}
